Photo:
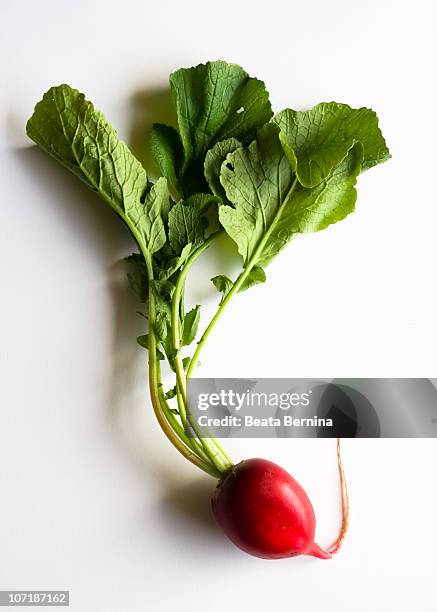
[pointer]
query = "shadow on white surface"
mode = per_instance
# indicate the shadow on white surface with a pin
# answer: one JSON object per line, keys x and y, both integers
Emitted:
{"x": 149, "y": 106}
{"x": 127, "y": 326}
{"x": 96, "y": 229}
{"x": 84, "y": 214}
{"x": 189, "y": 503}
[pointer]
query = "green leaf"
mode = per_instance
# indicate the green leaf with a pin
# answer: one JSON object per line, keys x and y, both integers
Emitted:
{"x": 270, "y": 207}
{"x": 161, "y": 321}
{"x": 163, "y": 292}
{"x": 67, "y": 127}
{"x": 173, "y": 264}
{"x": 143, "y": 341}
{"x": 170, "y": 394}
{"x": 213, "y": 102}
{"x": 223, "y": 284}
{"x": 317, "y": 140}
{"x": 256, "y": 179}
{"x": 190, "y": 326}
{"x": 312, "y": 210}
{"x": 187, "y": 221}
{"x": 186, "y": 362}
{"x": 255, "y": 277}
{"x": 147, "y": 217}
{"x": 166, "y": 148}
{"x": 213, "y": 163}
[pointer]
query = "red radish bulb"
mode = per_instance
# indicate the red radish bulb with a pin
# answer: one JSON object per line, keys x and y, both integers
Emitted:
{"x": 265, "y": 512}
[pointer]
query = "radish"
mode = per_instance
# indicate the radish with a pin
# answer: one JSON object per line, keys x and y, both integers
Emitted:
{"x": 231, "y": 167}
{"x": 264, "y": 511}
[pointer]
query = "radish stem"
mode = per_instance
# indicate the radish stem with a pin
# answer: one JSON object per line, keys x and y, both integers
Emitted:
{"x": 212, "y": 448}
{"x": 153, "y": 382}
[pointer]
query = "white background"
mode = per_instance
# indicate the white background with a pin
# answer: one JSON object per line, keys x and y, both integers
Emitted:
{"x": 92, "y": 497}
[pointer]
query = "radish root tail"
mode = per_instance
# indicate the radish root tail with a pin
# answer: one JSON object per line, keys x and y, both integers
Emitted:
{"x": 335, "y": 547}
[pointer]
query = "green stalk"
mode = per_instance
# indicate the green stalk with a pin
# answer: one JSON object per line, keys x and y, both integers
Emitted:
{"x": 181, "y": 406}
{"x": 212, "y": 448}
{"x": 179, "y": 428}
{"x": 180, "y": 432}
{"x": 189, "y": 440}
{"x": 175, "y": 315}
{"x": 179, "y": 290}
{"x": 154, "y": 382}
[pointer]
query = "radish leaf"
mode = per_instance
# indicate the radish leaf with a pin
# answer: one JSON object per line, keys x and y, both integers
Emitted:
{"x": 223, "y": 284}
{"x": 66, "y": 125}
{"x": 213, "y": 102}
{"x": 255, "y": 277}
{"x": 270, "y": 207}
{"x": 172, "y": 264}
{"x": 256, "y": 180}
{"x": 213, "y": 163}
{"x": 317, "y": 140}
{"x": 166, "y": 148}
{"x": 311, "y": 210}
{"x": 190, "y": 325}
{"x": 143, "y": 341}
{"x": 187, "y": 221}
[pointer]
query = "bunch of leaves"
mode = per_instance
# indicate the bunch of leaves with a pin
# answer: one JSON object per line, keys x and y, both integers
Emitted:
{"x": 230, "y": 166}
